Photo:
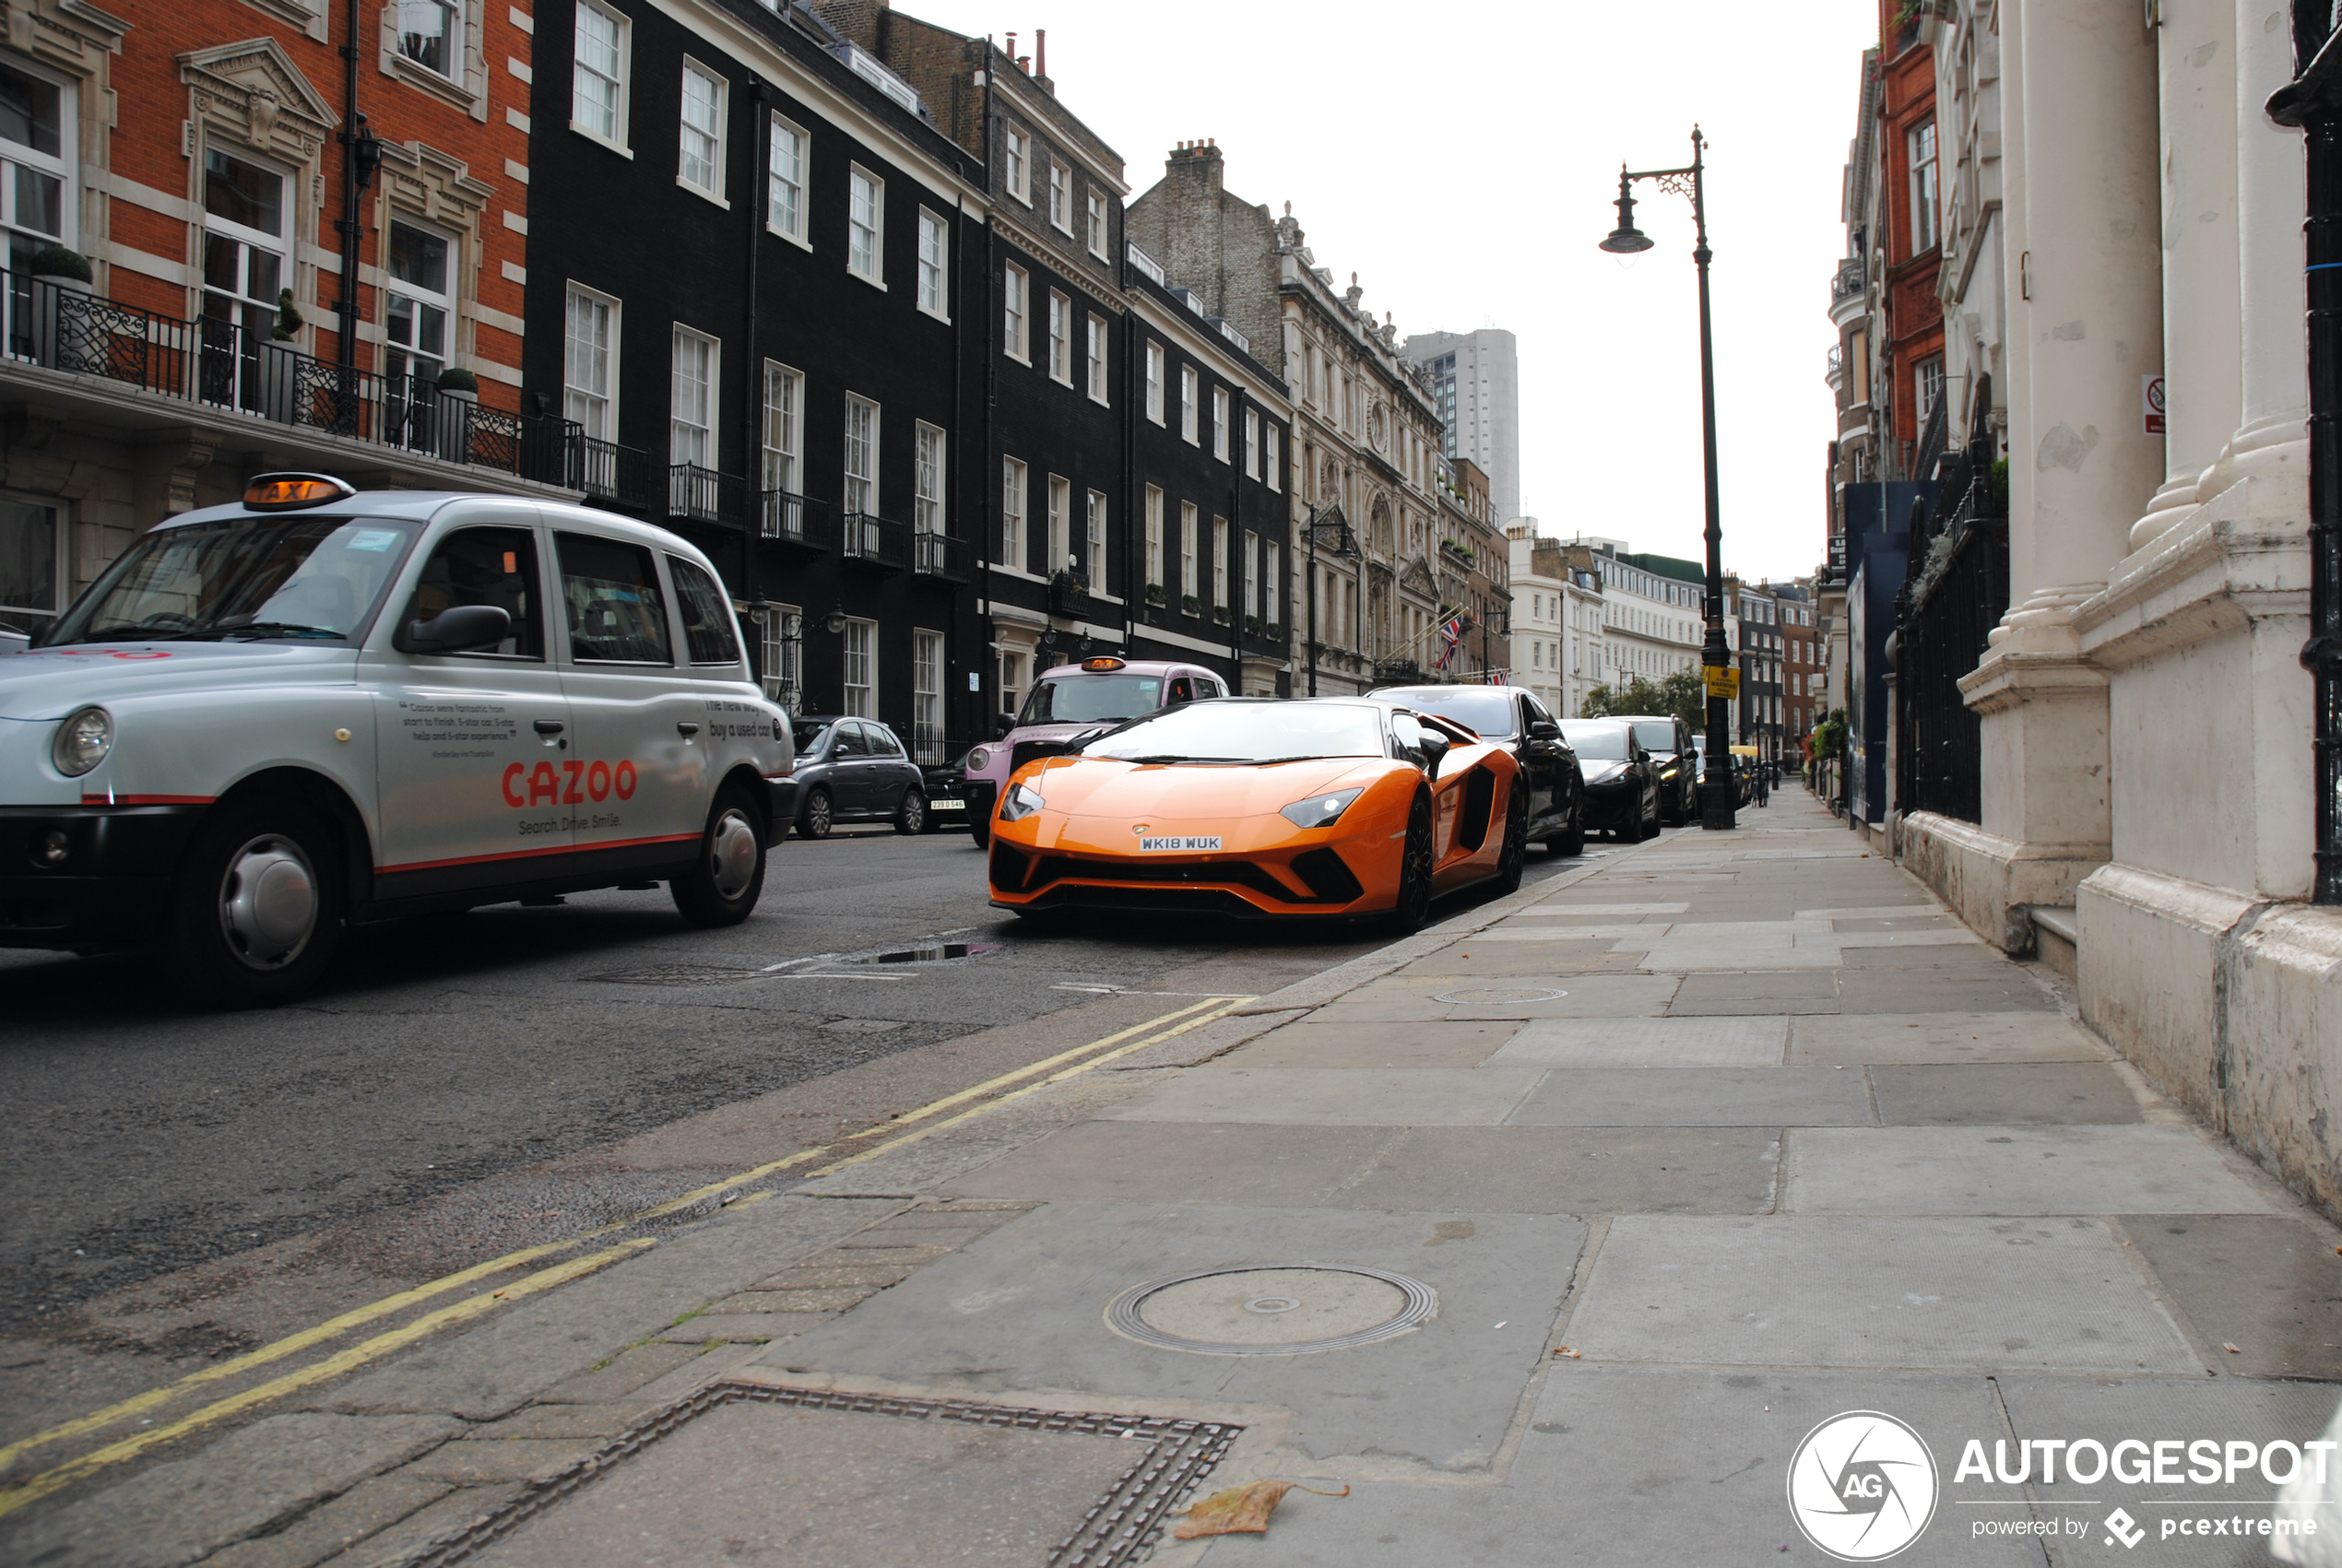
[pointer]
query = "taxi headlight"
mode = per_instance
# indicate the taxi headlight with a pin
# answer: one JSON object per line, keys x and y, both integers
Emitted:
{"x": 1320, "y": 810}
{"x": 977, "y": 759}
{"x": 82, "y": 741}
{"x": 1021, "y": 802}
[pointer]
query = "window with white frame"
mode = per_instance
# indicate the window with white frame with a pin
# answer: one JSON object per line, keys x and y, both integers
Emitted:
{"x": 1186, "y": 549}
{"x": 597, "y": 74}
{"x": 861, "y": 668}
{"x": 1018, "y": 165}
{"x": 1155, "y": 535}
{"x": 37, "y": 161}
{"x": 1269, "y": 568}
{"x": 1060, "y": 338}
{"x": 1060, "y": 547}
{"x": 590, "y": 363}
{"x": 1927, "y": 387}
{"x": 419, "y": 304}
{"x": 1190, "y": 395}
{"x": 1096, "y": 554}
{"x": 431, "y": 33}
{"x": 866, "y": 225}
{"x": 1154, "y": 382}
{"x": 1060, "y": 196}
{"x": 784, "y": 181}
{"x": 1013, "y": 512}
{"x": 245, "y": 243}
{"x": 700, "y": 162}
{"x": 1251, "y": 580}
{"x": 783, "y": 639}
{"x": 861, "y": 454}
{"x": 1220, "y": 561}
{"x": 32, "y": 554}
{"x": 1016, "y": 336}
{"x": 1272, "y": 468}
{"x": 1924, "y": 194}
{"x": 1252, "y": 445}
{"x": 927, "y": 698}
{"x": 1011, "y": 681}
{"x": 784, "y": 428}
{"x": 1097, "y": 359}
{"x": 1097, "y": 224}
{"x": 926, "y": 467}
{"x": 692, "y": 398}
{"x": 1220, "y": 423}
{"x": 935, "y": 254}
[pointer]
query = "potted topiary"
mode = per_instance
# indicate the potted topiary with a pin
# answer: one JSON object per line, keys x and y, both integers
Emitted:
{"x": 458, "y": 396}
{"x": 63, "y": 283}
{"x": 1155, "y": 595}
{"x": 1190, "y": 605}
{"x": 1220, "y": 614}
{"x": 279, "y": 361}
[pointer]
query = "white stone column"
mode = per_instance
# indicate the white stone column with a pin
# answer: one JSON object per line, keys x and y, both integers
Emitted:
{"x": 2202, "y": 355}
{"x": 2271, "y": 203}
{"x": 2018, "y": 437}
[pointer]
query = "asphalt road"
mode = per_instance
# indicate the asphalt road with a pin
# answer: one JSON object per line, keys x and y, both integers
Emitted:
{"x": 185, "y": 1183}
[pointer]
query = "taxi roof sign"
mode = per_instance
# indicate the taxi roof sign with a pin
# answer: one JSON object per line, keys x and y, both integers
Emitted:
{"x": 1102, "y": 664}
{"x": 289, "y": 492}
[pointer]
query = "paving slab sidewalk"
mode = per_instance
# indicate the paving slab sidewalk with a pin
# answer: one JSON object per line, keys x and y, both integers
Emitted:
{"x": 1557, "y": 1233}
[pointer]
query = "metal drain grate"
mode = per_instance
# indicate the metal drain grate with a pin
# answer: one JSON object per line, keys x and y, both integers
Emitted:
{"x": 1118, "y": 1528}
{"x": 677, "y": 974}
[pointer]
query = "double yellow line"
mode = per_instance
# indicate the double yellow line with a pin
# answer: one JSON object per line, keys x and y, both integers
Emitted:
{"x": 1056, "y": 1068}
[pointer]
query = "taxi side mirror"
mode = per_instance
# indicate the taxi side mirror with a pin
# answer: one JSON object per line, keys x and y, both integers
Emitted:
{"x": 460, "y": 630}
{"x": 1002, "y": 725}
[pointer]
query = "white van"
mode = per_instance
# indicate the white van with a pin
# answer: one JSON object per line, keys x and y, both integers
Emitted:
{"x": 319, "y": 706}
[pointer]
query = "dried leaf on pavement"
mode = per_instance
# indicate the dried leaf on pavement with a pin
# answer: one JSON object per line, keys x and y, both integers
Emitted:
{"x": 1240, "y": 1509}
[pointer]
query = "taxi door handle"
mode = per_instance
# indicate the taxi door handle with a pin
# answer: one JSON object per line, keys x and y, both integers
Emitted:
{"x": 687, "y": 731}
{"x": 550, "y": 726}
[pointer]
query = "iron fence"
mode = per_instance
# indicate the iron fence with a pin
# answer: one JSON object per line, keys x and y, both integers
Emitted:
{"x": 702, "y": 495}
{"x": 219, "y": 362}
{"x": 878, "y": 541}
{"x": 1956, "y": 591}
{"x": 608, "y": 472}
{"x": 788, "y": 517}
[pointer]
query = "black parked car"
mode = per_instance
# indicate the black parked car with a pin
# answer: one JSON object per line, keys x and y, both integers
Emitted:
{"x": 854, "y": 770}
{"x": 1622, "y": 783}
{"x": 949, "y": 804}
{"x": 1675, "y": 753}
{"x": 1513, "y": 718}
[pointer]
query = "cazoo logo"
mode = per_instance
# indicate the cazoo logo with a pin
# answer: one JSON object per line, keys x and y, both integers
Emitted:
{"x": 572, "y": 783}
{"x": 1861, "y": 1486}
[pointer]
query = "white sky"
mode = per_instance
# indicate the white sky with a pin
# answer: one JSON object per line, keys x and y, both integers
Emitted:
{"x": 1462, "y": 159}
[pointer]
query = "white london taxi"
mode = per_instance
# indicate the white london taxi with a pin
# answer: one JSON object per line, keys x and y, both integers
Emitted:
{"x": 267, "y": 720}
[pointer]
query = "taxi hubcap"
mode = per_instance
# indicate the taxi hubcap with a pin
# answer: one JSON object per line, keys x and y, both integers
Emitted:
{"x": 732, "y": 855}
{"x": 269, "y": 902}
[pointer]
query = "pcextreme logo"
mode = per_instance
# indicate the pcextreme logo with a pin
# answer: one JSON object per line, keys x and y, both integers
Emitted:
{"x": 1861, "y": 1486}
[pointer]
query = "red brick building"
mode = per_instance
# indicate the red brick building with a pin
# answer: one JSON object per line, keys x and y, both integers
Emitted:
{"x": 1910, "y": 205}
{"x": 198, "y": 155}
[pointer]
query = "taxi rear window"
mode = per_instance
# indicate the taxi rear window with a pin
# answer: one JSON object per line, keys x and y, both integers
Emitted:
{"x": 617, "y": 613}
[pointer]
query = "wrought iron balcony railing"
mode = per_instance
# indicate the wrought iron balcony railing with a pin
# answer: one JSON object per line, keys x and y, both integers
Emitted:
{"x": 1070, "y": 594}
{"x": 881, "y": 542}
{"x": 791, "y": 519}
{"x": 695, "y": 494}
{"x": 931, "y": 556}
{"x": 220, "y": 363}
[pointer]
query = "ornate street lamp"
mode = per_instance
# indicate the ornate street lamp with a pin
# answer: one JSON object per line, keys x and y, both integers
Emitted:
{"x": 1716, "y": 792}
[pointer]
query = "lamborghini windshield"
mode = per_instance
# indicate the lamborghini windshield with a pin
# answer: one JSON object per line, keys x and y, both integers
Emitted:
{"x": 1247, "y": 732}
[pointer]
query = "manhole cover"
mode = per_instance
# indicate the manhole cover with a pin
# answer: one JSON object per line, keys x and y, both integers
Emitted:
{"x": 677, "y": 974}
{"x": 1291, "y": 1309}
{"x": 1497, "y": 995}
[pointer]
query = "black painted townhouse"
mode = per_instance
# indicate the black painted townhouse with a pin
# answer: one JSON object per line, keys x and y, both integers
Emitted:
{"x": 751, "y": 264}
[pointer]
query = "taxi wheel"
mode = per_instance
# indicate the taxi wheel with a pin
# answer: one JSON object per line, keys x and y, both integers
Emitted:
{"x": 258, "y": 907}
{"x": 911, "y": 816}
{"x": 814, "y": 818}
{"x": 725, "y": 880}
{"x": 1414, "y": 908}
{"x": 1513, "y": 858}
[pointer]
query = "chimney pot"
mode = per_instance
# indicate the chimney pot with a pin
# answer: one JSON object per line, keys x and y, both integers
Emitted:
{"x": 1041, "y": 48}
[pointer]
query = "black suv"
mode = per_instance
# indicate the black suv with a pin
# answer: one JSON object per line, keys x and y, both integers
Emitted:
{"x": 1675, "y": 753}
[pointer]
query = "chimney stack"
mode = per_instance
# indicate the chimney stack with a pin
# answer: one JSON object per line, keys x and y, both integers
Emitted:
{"x": 1011, "y": 46}
{"x": 1041, "y": 51}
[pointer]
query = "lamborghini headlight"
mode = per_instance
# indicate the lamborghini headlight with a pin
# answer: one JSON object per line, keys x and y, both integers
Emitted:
{"x": 1321, "y": 810}
{"x": 1021, "y": 802}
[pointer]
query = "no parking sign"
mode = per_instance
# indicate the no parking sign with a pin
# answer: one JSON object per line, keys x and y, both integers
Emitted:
{"x": 2151, "y": 403}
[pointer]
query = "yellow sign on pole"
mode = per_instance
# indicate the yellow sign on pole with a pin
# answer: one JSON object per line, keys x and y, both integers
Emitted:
{"x": 1723, "y": 681}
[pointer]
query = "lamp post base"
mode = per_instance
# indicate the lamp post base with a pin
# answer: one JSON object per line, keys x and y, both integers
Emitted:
{"x": 1716, "y": 803}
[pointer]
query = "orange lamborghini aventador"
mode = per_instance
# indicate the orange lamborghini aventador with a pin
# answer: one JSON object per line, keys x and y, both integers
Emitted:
{"x": 1259, "y": 808}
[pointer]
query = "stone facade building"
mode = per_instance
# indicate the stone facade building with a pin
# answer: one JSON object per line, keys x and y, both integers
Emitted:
{"x": 1557, "y": 619}
{"x": 2159, "y": 577}
{"x": 1368, "y": 476}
